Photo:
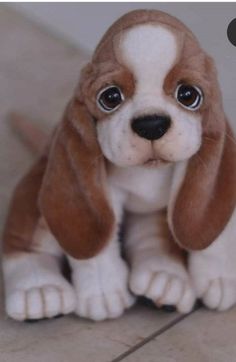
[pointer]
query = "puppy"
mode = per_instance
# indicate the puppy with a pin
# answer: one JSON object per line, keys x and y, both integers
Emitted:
{"x": 144, "y": 142}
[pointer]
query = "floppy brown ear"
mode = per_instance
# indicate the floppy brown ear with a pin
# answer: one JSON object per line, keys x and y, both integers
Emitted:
{"x": 73, "y": 196}
{"x": 204, "y": 192}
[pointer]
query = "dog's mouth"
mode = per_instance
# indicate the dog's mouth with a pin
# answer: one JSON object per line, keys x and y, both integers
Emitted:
{"x": 154, "y": 162}
{"x": 154, "y": 159}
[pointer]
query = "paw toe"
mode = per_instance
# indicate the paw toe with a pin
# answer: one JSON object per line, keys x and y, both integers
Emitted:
{"x": 172, "y": 291}
{"x": 139, "y": 281}
{"x": 68, "y": 300}
{"x": 228, "y": 297}
{"x": 51, "y": 297}
{"x": 220, "y": 294}
{"x": 213, "y": 294}
{"x": 178, "y": 293}
{"x": 15, "y": 305}
{"x": 107, "y": 305}
{"x": 164, "y": 289}
{"x": 34, "y": 304}
{"x": 96, "y": 308}
{"x": 156, "y": 285}
{"x": 40, "y": 302}
{"x": 115, "y": 305}
{"x": 187, "y": 300}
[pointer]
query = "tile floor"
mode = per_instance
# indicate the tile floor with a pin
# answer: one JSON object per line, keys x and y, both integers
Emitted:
{"x": 37, "y": 75}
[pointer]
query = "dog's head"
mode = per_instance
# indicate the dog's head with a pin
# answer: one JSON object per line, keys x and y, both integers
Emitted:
{"x": 149, "y": 96}
{"x": 146, "y": 89}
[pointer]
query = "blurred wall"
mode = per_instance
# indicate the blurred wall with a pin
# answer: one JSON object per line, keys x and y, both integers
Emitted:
{"x": 84, "y": 23}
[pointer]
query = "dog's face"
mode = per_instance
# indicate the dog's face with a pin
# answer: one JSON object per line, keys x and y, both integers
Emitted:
{"x": 147, "y": 111}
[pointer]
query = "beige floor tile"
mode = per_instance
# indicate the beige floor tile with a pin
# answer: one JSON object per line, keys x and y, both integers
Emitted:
{"x": 202, "y": 337}
{"x": 76, "y": 340}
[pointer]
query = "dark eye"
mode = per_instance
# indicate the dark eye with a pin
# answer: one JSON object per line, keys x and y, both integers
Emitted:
{"x": 189, "y": 96}
{"x": 110, "y": 98}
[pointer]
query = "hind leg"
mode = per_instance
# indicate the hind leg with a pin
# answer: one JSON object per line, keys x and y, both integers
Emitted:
{"x": 34, "y": 285}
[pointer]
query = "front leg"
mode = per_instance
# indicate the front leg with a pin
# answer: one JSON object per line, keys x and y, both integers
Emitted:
{"x": 101, "y": 283}
{"x": 213, "y": 270}
{"x": 158, "y": 268}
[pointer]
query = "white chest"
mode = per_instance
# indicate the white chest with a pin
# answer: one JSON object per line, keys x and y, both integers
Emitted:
{"x": 146, "y": 189}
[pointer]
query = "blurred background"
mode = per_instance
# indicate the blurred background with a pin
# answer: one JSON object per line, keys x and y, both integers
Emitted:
{"x": 83, "y": 24}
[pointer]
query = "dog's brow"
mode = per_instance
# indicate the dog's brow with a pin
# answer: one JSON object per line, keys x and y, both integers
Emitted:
{"x": 150, "y": 52}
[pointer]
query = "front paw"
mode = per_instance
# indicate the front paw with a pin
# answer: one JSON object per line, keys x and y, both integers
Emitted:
{"x": 46, "y": 301}
{"x": 102, "y": 293}
{"x": 219, "y": 294}
{"x": 106, "y": 305}
{"x": 164, "y": 287}
{"x": 214, "y": 279}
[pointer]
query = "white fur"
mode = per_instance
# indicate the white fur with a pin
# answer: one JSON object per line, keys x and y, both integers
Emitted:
{"x": 144, "y": 189}
{"x": 101, "y": 284}
{"x": 35, "y": 288}
{"x": 34, "y": 285}
{"x": 149, "y": 52}
{"x": 156, "y": 271}
{"x": 213, "y": 270}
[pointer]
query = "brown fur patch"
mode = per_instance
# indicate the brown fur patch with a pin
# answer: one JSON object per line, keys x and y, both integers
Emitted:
{"x": 24, "y": 212}
{"x": 73, "y": 195}
{"x": 207, "y": 196}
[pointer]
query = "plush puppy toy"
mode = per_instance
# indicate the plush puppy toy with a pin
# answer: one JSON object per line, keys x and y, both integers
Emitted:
{"x": 143, "y": 141}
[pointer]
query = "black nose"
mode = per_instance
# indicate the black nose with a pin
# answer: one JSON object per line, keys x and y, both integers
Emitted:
{"x": 151, "y": 127}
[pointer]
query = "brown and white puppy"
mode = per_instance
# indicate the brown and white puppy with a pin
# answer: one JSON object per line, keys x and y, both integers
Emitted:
{"x": 144, "y": 134}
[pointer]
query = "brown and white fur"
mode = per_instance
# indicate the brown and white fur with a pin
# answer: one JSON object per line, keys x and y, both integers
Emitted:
{"x": 174, "y": 194}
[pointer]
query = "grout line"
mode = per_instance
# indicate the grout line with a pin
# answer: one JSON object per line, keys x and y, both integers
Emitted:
{"x": 152, "y": 336}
